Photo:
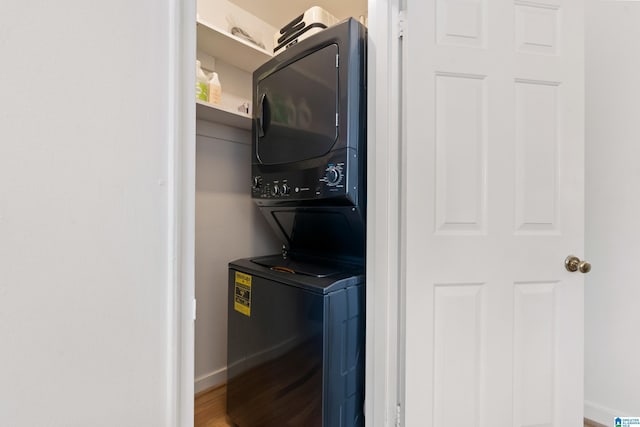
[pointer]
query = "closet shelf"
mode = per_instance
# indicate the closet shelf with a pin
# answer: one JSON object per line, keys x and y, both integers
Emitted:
{"x": 221, "y": 115}
{"x": 231, "y": 49}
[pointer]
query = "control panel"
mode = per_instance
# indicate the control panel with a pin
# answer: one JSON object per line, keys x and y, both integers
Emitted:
{"x": 314, "y": 183}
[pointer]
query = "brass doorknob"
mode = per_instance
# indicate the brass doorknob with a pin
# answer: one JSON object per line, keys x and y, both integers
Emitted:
{"x": 572, "y": 263}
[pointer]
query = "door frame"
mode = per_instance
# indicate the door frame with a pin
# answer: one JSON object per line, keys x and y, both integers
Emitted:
{"x": 384, "y": 189}
{"x": 383, "y": 216}
{"x": 180, "y": 326}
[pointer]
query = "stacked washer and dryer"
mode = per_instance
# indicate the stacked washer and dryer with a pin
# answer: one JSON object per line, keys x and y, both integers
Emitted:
{"x": 296, "y": 319}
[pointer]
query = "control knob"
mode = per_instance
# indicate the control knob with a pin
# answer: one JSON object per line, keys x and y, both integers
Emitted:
{"x": 333, "y": 175}
{"x": 257, "y": 183}
{"x": 275, "y": 190}
{"x": 286, "y": 189}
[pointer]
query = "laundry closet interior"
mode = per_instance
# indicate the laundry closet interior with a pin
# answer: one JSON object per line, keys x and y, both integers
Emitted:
{"x": 229, "y": 226}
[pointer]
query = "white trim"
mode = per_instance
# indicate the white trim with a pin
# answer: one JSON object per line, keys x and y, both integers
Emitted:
{"x": 210, "y": 380}
{"x": 382, "y": 215}
{"x": 601, "y": 414}
{"x": 181, "y": 212}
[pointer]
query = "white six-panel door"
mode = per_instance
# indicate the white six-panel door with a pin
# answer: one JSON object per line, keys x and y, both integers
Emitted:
{"x": 493, "y": 203}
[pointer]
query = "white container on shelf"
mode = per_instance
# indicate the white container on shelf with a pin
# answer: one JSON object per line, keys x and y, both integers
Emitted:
{"x": 215, "y": 89}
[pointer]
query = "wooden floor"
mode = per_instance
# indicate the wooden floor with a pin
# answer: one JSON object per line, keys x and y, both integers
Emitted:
{"x": 589, "y": 423}
{"x": 210, "y": 409}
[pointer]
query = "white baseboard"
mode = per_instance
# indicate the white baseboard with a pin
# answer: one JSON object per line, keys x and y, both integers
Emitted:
{"x": 601, "y": 414}
{"x": 211, "y": 379}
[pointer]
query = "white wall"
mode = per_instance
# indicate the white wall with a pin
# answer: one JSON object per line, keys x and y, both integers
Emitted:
{"x": 612, "y": 289}
{"x": 84, "y": 224}
{"x": 228, "y": 226}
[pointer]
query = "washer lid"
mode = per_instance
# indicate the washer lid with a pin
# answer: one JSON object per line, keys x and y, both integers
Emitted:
{"x": 294, "y": 265}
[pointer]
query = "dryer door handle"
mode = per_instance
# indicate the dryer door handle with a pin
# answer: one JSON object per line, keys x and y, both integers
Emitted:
{"x": 263, "y": 115}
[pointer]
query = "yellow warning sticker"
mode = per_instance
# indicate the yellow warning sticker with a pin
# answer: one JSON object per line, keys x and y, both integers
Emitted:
{"x": 242, "y": 294}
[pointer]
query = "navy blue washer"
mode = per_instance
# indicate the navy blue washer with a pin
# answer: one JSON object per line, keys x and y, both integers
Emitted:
{"x": 297, "y": 359}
